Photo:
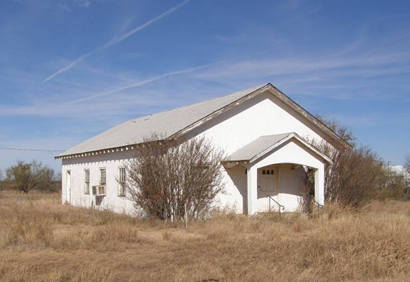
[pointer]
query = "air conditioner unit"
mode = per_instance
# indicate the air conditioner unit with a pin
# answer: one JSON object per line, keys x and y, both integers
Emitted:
{"x": 101, "y": 190}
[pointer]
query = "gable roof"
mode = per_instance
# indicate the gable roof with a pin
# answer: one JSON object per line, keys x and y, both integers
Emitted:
{"x": 267, "y": 143}
{"x": 174, "y": 123}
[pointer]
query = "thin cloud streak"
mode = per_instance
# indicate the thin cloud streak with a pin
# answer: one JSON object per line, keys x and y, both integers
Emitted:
{"x": 115, "y": 40}
{"x": 70, "y": 65}
{"x": 240, "y": 70}
{"x": 77, "y": 108}
{"x": 139, "y": 83}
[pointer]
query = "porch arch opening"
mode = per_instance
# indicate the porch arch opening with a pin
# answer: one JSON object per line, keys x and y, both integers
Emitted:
{"x": 285, "y": 187}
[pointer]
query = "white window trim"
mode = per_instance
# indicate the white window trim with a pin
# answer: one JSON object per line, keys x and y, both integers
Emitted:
{"x": 87, "y": 183}
{"x": 121, "y": 184}
{"x": 101, "y": 182}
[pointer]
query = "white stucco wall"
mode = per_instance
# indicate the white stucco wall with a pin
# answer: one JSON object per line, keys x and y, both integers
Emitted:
{"x": 229, "y": 132}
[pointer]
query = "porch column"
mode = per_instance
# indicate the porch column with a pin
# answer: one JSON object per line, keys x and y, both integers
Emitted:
{"x": 252, "y": 184}
{"x": 320, "y": 185}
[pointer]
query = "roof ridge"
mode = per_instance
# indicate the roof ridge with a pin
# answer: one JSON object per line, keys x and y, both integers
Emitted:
{"x": 250, "y": 89}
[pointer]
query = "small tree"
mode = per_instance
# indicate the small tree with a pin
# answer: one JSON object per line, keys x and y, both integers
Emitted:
{"x": 27, "y": 176}
{"x": 175, "y": 181}
{"x": 407, "y": 164}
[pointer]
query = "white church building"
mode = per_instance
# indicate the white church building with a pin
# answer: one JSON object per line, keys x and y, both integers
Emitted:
{"x": 264, "y": 134}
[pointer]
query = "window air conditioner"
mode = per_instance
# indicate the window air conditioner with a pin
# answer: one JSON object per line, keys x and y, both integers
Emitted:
{"x": 101, "y": 190}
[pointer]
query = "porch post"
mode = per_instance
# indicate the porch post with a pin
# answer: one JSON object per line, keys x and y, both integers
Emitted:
{"x": 320, "y": 185}
{"x": 252, "y": 183}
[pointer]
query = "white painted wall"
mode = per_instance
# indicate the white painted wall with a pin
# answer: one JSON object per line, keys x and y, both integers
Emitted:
{"x": 111, "y": 162}
{"x": 229, "y": 132}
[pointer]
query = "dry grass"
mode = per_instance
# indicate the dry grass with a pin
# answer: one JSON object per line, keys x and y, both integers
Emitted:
{"x": 41, "y": 240}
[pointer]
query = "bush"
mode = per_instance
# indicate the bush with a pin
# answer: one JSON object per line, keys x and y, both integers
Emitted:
{"x": 175, "y": 181}
{"x": 354, "y": 177}
{"x": 27, "y": 176}
{"x": 358, "y": 174}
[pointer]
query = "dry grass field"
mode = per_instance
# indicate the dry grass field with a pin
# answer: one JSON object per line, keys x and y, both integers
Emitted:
{"x": 42, "y": 240}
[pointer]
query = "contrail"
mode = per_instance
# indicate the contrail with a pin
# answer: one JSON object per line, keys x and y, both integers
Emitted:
{"x": 70, "y": 65}
{"x": 141, "y": 27}
{"x": 139, "y": 83}
{"x": 116, "y": 40}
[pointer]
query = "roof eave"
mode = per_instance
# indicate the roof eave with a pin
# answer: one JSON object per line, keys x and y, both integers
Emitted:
{"x": 291, "y": 136}
{"x": 340, "y": 142}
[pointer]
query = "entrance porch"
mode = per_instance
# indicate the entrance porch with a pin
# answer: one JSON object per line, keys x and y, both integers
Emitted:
{"x": 274, "y": 175}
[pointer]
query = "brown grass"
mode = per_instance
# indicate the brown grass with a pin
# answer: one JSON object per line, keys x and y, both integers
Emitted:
{"x": 42, "y": 240}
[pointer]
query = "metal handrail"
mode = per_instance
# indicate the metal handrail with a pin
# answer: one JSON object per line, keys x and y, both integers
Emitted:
{"x": 318, "y": 204}
{"x": 281, "y": 207}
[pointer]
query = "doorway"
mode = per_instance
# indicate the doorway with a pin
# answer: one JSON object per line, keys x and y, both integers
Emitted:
{"x": 68, "y": 186}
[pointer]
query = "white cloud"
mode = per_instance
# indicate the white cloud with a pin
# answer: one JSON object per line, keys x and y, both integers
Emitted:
{"x": 64, "y": 7}
{"x": 84, "y": 3}
{"x": 290, "y": 66}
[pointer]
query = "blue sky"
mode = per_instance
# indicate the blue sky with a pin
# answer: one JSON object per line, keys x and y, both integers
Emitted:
{"x": 70, "y": 69}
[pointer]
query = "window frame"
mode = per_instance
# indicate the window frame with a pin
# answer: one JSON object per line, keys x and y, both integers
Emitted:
{"x": 122, "y": 178}
{"x": 87, "y": 174}
{"x": 103, "y": 183}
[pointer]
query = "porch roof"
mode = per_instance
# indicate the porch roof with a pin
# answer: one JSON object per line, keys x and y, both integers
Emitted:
{"x": 267, "y": 143}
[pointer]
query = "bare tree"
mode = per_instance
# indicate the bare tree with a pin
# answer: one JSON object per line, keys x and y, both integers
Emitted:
{"x": 345, "y": 133}
{"x": 175, "y": 181}
{"x": 407, "y": 164}
{"x": 308, "y": 190}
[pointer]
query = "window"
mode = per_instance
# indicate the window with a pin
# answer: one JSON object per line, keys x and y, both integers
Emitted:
{"x": 121, "y": 180}
{"x": 103, "y": 176}
{"x": 87, "y": 181}
{"x": 269, "y": 171}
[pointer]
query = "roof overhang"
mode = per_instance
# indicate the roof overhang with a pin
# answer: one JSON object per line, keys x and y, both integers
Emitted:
{"x": 259, "y": 148}
{"x": 332, "y": 137}
{"x": 336, "y": 140}
{"x": 109, "y": 150}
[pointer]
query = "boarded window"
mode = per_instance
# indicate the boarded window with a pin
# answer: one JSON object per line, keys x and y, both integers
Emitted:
{"x": 121, "y": 180}
{"x": 103, "y": 176}
{"x": 87, "y": 181}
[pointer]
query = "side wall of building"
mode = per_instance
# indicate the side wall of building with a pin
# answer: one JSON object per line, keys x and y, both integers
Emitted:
{"x": 75, "y": 169}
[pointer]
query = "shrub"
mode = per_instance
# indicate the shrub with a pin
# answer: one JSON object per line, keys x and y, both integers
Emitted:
{"x": 354, "y": 177}
{"x": 358, "y": 174}
{"x": 175, "y": 181}
{"x": 27, "y": 176}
